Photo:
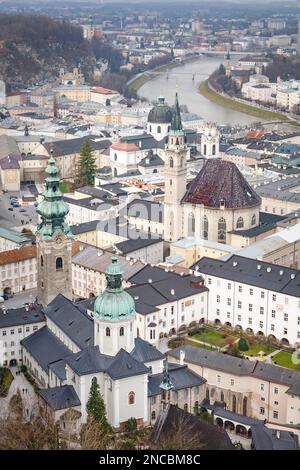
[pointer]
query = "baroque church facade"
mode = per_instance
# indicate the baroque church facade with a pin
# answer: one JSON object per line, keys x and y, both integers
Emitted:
{"x": 95, "y": 340}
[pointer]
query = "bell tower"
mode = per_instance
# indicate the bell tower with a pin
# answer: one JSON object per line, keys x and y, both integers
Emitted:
{"x": 175, "y": 176}
{"x": 54, "y": 241}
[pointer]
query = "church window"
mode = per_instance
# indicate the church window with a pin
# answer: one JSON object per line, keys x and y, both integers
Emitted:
{"x": 150, "y": 128}
{"x": 158, "y": 129}
{"x": 205, "y": 149}
{"x": 170, "y": 182}
{"x": 59, "y": 264}
{"x": 171, "y": 162}
{"x": 115, "y": 157}
{"x": 240, "y": 222}
{"x": 131, "y": 398}
{"x": 153, "y": 415}
{"x": 214, "y": 149}
{"x": 42, "y": 261}
{"x": 181, "y": 162}
{"x": 222, "y": 230}
{"x": 54, "y": 189}
{"x": 191, "y": 225}
{"x": 107, "y": 331}
{"x": 253, "y": 220}
{"x": 122, "y": 331}
{"x": 185, "y": 407}
{"x": 94, "y": 380}
{"x": 205, "y": 228}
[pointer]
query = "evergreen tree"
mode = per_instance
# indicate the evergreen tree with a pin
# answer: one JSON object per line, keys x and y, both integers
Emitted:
{"x": 87, "y": 163}
{"x": 95, "y": 405}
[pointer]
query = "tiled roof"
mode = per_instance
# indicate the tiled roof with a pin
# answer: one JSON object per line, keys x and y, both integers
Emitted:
{"x": 124, "y": 365}
{"x": 60, "y": 398}
{"x": 221, "y": 180}
{"x": 145, "y": 352}
{"x": 17, "y": 255}
{"x": 125, "y": 147}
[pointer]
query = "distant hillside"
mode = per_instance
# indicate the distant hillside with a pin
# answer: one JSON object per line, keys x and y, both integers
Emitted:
{"x": 33, "y": 48}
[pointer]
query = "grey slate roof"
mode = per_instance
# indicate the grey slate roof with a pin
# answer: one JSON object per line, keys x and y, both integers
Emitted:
{"x": 205, "y": 435}
{"x": 146, "y": 210}
{"x": 60, "y": 398}
{"x": 242, "y": 367}
{"x": 124, "y": 365}
{"x": 45, "y": 347}
{"x": 181, "y": 377}
{"x": 84, "y": 227}
{"x": 131, "y": 245}
{"x": 89, "y": 361}
{"x": 71, "y": 146}
{"x": 250, "y": 271}
{"x": 145, "y": 352}
{"x": 264, "y": 438}
{"x": 59, "y": 369}
{"x": 77, "y": 325}
{"x": 20, "y": 316}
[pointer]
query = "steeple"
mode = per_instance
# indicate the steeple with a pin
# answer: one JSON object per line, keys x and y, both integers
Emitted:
{"x": 166, "y": 384}
{"x": 52, "y": 209}
{"x": 176, "y": 124}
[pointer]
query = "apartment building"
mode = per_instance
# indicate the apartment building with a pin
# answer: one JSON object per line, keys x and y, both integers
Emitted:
{"x": 257, "y": 297}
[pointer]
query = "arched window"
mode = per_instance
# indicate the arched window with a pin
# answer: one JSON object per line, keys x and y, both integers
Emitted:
{"x": 205, "y": 228}
{"x": 222, "y": 396}
{"x": 122, "y": 331}
{"x": 207, "y": 394}
{"x": 196, "y": 407}
{"x": 214, "y": 149}
{"x": 240, "y": 222}
{"x": 171, "y": 162}
{"x": 245, "y": 402}
{"x": 94, "y": 380}
{"x": 169, "y": 128}
{"x": 158, "y": 129}
{"x": 59, "y": 264}
{"x": 115, "y": 157}
{"x": 150, "y": 128}
{"x": 153, "y": 415}
{"x": 131, "y": 398}
{"x": 205, "y": 149}
{"x": 42, "y": 261}
{"x": 234, "y": 403}
{"x": 107, "y": 331}
{"x": 115, "y": 172}
{"x": 185, "y": 407}
{"x": 191, "y": 225}
{"x": 222, "y": 230}
{"x": 253, "y": 220}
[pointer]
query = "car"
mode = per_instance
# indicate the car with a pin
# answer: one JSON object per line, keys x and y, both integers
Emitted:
{"x": 16, "y": 205}
{"x": 13, "y": 197}
{"x": 2, "y": 300}
{"x": 10, "y": 209}
{"x": 22, "y": 210}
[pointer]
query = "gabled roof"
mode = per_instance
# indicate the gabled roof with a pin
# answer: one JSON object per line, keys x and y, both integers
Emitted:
{"x": 45, "y": 347}
{"x": 124, "y": 365}
{"x": 89, "y": 361}
{"x": 145, "y": 352}
{"x": 181, "y": 377}
{"x": 22, "y": 316}
{"x": 221, "y": 180}
{"x": 78, "y": 326}
{"x": 60, "y": 398}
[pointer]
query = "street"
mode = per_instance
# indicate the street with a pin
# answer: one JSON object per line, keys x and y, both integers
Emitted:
{"x": 20, "y": 299}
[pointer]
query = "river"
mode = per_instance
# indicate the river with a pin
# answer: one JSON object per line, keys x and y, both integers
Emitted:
{"x": 180, "y": 79}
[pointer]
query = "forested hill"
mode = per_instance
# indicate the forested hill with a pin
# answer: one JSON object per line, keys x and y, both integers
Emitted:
{"x": 33, "y": 48}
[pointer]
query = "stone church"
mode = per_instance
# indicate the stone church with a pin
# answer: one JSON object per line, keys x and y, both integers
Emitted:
{"x": 219, "y": 199}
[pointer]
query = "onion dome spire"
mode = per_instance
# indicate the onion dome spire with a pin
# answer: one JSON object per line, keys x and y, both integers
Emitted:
{"x": 114, "y": 304}
{"x": 52, "y": 208}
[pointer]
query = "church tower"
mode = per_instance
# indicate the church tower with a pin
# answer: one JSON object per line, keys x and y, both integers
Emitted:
{"x": 210, "y": 141}
{"x": 114, "y": 314}
{"x": 54, "y": 241}
{"x": 175, "y": 177}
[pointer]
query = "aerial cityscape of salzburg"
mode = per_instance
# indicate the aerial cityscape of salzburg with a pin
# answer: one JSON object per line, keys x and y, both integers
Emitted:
{"x": 149, "y": 230}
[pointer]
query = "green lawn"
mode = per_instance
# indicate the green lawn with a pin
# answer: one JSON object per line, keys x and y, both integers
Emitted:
{"x": 211, "y": 337}
{"x": 255, "y": 349}
{"x": 198, "y": 345}
{"x": 243, "y": 108}
{"x": 284, "y": 359}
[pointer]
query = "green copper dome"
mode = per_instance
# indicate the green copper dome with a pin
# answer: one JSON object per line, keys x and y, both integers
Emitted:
{"x": 52, "y": 208}
{"x": 161, "y": 113}
{"x": 114, "y": 304}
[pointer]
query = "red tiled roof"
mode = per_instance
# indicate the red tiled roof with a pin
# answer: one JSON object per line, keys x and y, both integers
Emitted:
{"x": 103, "y": 91}
{"x": 21, "y": 254}
{"x": 125, "y": 147}
{"x": 219, "y": 180}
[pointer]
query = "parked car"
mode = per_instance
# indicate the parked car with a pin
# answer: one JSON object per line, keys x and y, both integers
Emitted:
{"x": 22, "y": 210}
{"x": 10, "y": 209}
